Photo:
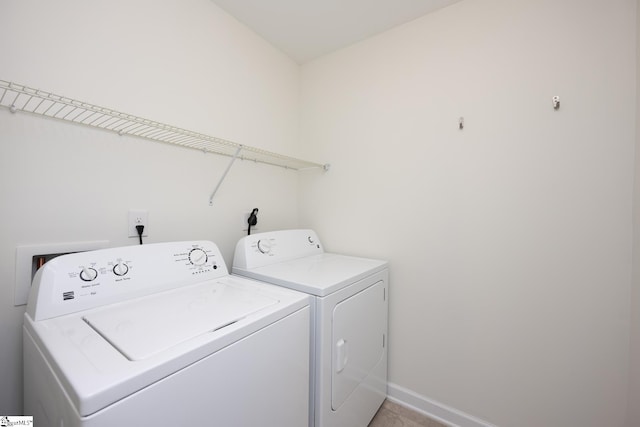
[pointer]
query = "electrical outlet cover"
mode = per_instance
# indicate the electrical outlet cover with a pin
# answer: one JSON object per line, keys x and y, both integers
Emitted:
{"x": 245, "y": 223}
{"x": 138, "y": 217}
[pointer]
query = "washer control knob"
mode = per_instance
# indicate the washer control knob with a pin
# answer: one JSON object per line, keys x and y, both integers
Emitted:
{"x": 120, "y": 269}
{"x": 264, "y": 246}
{"x": 197, "y": 256}
{"x": 88, "y": 274}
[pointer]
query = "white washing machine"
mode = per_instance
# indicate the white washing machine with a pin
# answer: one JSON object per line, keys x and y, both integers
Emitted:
{"x": 348, "y": 319}
{"x": 161, "y": 334}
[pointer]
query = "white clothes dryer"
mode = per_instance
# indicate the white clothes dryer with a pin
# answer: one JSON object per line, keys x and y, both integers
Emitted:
{"x": 161, "y": 334}
{"x": 348, "y": 319}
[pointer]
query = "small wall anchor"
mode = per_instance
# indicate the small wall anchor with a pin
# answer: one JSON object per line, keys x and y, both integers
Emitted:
{"x": 461, "y": 123}
{"x": 556, "y": 102}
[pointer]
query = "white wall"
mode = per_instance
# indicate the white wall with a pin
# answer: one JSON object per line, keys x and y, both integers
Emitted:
{"x": 185, "y": 63}
{"x": 509, "y": 241}
{"x": 633, "y": 409}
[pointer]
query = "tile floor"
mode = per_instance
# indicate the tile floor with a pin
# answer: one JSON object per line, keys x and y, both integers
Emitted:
{"x": 393, "y": 415}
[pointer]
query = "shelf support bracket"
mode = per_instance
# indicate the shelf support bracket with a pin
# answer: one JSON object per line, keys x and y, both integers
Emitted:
{"x": 224, "y": 175}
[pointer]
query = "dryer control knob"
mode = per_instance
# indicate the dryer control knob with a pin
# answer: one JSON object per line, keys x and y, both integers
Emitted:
{"x": 88, "y": 274}
{"x": 197, "y": 256}
{"x": 264, "y": 246}
{"x": 120, "y": 269}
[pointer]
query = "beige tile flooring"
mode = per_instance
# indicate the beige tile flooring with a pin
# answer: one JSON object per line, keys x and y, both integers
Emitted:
{"x": 393, "y": 415}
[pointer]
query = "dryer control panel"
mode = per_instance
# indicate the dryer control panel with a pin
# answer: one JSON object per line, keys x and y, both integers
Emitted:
{"x": 257, "y": 250}
{"x": 79, "y": 281}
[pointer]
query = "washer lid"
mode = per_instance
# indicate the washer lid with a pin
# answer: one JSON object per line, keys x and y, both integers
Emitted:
{"x": 317, "y": 274}
{"x": 141, "y": 328}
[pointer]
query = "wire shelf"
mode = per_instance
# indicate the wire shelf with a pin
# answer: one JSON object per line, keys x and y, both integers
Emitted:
{"x": 17, "y": 97}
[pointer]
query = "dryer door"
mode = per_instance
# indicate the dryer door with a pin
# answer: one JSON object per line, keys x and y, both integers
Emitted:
{"x": 359, "y": 326}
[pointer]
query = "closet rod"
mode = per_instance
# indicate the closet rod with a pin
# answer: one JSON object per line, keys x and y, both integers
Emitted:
{"x": 18, "y": 97}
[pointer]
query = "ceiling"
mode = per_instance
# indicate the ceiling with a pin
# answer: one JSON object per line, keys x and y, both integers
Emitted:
{"x": 307, "y": 29}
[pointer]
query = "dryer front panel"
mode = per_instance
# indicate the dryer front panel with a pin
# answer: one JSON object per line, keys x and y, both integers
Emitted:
{"x": 358, "y": 337}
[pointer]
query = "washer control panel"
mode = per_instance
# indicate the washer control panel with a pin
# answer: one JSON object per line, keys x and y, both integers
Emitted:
{"x": 75, "y": 282}
{"x": 261, "y": 249}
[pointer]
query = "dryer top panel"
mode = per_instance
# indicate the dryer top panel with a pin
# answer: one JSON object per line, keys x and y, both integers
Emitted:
{"x": 318, "y": 275}
{"x": 295, "y": 259}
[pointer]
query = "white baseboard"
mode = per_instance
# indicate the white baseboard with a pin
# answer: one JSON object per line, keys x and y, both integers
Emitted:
{"x": 436, "y": 410}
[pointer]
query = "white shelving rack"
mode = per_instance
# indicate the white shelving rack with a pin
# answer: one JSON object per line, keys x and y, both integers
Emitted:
{"x": 17, "y": 97}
